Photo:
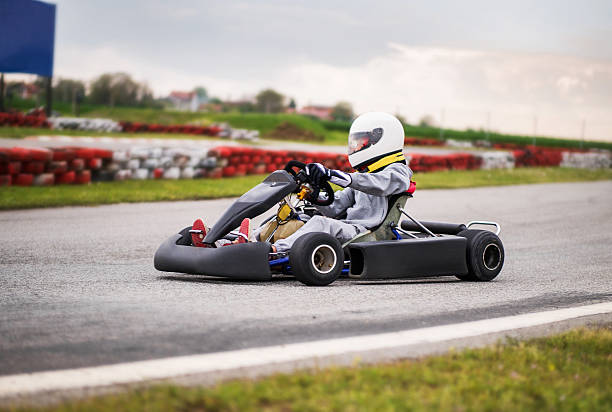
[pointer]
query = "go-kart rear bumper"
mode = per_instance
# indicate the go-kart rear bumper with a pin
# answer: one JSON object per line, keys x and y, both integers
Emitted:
{"x": 247, "y": 261}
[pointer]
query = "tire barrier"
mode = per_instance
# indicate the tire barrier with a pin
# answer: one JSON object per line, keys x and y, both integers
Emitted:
{"x": 80, "y": 123}
{"x": 421, "y": 141}
{"x": 38, "y": 119}
{"x": 497, "y": 160}
{"x": 455, "y": 161}
{"x": 22, "y": 166}
{"x": 590, "y": 160}
{"x": 135, "y": 127}
{"x": 532, "y": 156}
{"x": 81, "y": 165}
{"x": 24, "y": 120}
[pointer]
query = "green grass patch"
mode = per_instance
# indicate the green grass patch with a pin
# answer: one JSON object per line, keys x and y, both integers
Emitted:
{"x": 15, "y": 197}
{"x": 570, "y": 371}
{"x": 141, "y": 115}
{"x": 266, "y": 122}
{"x": 130, "y": 191}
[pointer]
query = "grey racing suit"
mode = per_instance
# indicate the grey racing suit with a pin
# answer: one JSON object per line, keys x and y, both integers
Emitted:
{"x": 365, "y": 202}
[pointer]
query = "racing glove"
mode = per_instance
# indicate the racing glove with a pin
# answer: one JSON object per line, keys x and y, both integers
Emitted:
{"x": 320, "y": 174}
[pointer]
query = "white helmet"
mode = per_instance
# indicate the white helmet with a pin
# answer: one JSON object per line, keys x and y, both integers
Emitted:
{"x": 373, "y": 136}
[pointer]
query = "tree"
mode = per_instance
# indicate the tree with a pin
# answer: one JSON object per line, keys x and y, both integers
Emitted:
{"x": 292, "y": 104}
{"x": 100, "y": 92}
{"x": 69, "y": 91}
{"x": 201, "y": 93}
{"x": 119, "y": 89}
{"x": 245, "y": 107}
{"x": 269, "y": 101}
{"x": 342, "y": 111}
{"x": 427, "y": 121}
{"x": 401, "y": 118}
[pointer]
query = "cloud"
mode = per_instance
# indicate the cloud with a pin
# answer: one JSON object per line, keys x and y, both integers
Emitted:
{"x": 470, "y": 87}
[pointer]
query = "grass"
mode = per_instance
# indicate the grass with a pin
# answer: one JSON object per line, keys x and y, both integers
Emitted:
{"x": 15, "y": 197}
{"x": 127, "y": 191}
{"x": 570, "y": 371}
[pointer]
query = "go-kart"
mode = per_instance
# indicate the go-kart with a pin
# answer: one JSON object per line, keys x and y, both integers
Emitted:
{"x": 394, "y": 249}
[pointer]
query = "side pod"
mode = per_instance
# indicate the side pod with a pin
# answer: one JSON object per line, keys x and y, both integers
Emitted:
{"x": 408, "y": 258}
{"x": 247, "y": 261}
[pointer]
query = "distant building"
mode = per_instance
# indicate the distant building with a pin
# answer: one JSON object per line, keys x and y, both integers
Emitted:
{"x": 22, "y": 89}
{"x": 186, "y": 101}
{"x": 322, "y": 112}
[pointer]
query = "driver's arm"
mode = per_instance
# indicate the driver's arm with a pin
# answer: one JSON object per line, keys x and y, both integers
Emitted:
{"x": 343, "y": 199}
{"x": 391, "y": 180}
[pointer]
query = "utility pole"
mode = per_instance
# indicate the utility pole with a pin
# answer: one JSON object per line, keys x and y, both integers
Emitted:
{"x": 74, "y": 93}
{"x": 535, "y": 128}
{"x": 442, "y": 124}
{"x": 1, "y": 92}
{"x": 49, "y": 108}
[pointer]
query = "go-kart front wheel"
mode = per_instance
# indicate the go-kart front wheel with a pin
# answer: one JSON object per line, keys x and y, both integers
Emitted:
{"x": 316, "y": 259}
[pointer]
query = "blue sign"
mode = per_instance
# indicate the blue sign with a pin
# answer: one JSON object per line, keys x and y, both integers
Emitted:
{"x": 27, "y": 35}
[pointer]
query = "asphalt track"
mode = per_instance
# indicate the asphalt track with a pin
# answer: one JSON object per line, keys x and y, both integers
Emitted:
{"x": 77, "y": 286}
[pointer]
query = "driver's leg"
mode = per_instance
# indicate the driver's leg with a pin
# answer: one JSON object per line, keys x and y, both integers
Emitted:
{"x": 338, "y": 229}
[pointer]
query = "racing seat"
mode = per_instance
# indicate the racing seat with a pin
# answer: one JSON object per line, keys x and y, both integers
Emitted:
{"x": 383, "y": 231}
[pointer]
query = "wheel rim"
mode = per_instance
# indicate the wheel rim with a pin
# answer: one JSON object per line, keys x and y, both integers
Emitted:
{"x": 491, "y": 256}
{"x": 324, "y": 259}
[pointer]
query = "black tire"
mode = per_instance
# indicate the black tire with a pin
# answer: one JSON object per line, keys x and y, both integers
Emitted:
{"x": 316, "y": 259}
{"x": 484, "y": 255}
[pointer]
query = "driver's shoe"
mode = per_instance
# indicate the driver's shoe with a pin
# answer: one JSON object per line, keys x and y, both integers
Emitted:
{"x": 245, "y": 233}
{"x": 198, "y": 233}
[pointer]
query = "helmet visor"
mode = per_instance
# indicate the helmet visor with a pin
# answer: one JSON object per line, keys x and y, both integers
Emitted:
{"x": 362, "y": 140}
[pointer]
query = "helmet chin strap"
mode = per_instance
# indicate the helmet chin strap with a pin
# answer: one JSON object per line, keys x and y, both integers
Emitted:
{"x": 385, "y": 161}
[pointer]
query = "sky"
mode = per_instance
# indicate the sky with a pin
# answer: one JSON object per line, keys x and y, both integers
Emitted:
{"x": 518, "y": 67}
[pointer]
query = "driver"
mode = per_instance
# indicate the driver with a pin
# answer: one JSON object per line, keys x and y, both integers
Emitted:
{"x": 375, "y": 145}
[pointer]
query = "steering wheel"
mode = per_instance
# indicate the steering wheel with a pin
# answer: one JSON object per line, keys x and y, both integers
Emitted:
{"x": 302, "y": 177}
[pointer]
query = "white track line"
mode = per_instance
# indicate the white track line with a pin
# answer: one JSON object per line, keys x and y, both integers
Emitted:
{"x": 298, "y": 354}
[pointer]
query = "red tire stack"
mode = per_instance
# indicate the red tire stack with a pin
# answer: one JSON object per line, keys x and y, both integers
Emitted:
{"x": 133, "y": 127}
{"x": 20, "y": 165}
{"x": 36, "y": 119}
{"x": 536, "y": 156}
{"x": 420, "y": 141}
{"x": 238, "y": 161}
{"x": 42, "y": 167}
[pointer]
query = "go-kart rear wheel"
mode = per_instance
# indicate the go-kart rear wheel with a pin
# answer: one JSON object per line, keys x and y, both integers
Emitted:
{"x": 316, "y": 259}
{"x": 485, "y": 255}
